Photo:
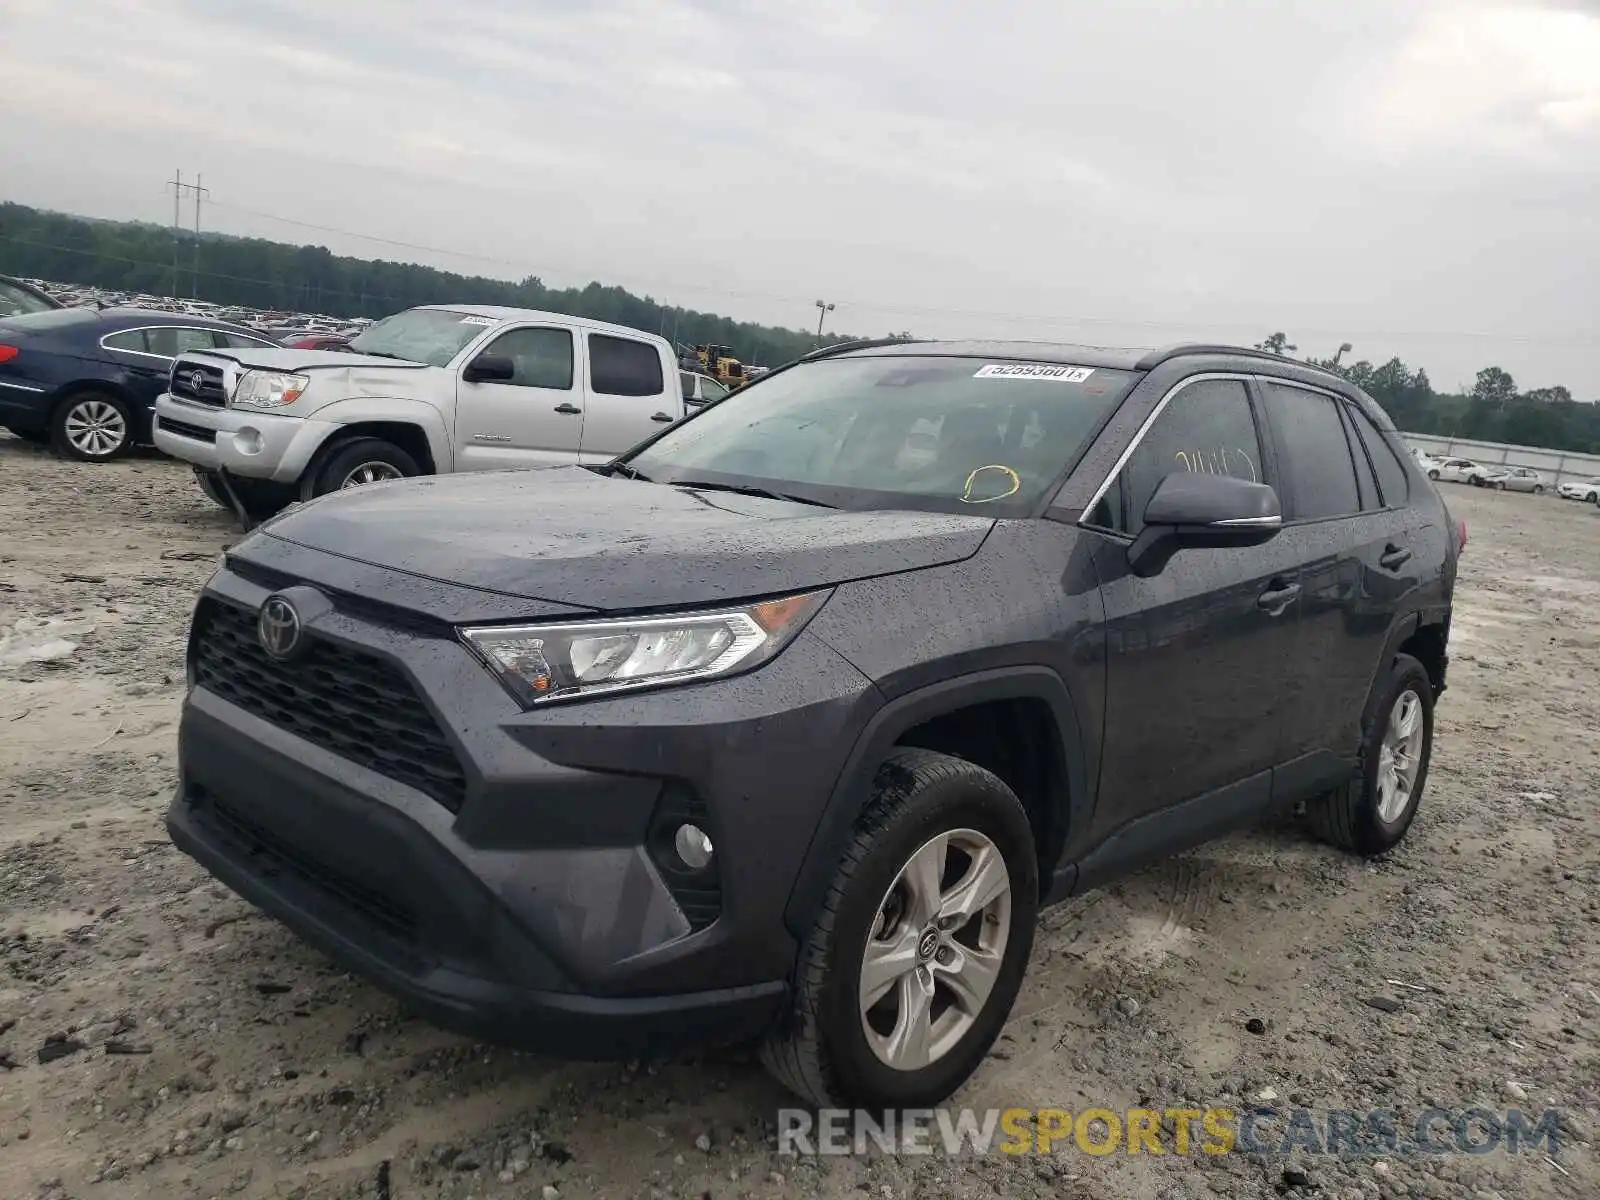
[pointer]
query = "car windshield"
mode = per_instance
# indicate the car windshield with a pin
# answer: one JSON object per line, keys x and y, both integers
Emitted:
{"x": 425, "y": 335}
{"x": 948, "y": 434}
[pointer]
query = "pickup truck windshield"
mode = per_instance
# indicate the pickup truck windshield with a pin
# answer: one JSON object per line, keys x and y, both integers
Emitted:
{"x": 948, "y": 434}
{"x": 425, "y": 335}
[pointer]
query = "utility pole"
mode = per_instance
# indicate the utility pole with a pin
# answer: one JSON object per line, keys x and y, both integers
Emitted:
{"x": 198, "y": 192}
{"x": 177, "y": 202}
{"x": 823, "y": 309}
{"x": 179, "y": 187}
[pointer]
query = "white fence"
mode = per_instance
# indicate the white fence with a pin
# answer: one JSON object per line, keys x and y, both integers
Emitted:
{"x": 1556, "y": 466}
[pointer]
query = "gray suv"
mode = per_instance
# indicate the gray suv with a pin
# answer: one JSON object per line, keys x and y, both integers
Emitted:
{"x": 783, "y": 726}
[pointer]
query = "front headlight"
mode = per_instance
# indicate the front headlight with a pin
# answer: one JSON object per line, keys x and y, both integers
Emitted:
{"x": 268, "y": 389}
{"x": 541, "y": 663}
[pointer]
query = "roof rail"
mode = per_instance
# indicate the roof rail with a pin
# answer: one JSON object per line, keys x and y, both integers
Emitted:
{"x": 1161, "y": 354}
{"x": 858, "y": 344}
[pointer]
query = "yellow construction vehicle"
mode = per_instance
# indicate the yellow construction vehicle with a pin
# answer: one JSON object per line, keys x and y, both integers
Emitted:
{"x": 721, "y": 365}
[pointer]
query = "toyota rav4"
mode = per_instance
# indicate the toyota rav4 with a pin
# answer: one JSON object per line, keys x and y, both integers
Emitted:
{"x": 782, "y": 726}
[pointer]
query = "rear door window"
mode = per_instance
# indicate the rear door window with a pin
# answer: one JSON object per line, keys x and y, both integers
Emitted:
{"x": 169, "y": 341}
{"x": 1313, "y": 453}
{"x": 624, "y": 367}
{"x": 1206, "y": 426}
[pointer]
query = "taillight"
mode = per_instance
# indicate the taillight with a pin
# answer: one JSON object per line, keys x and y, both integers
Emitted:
{"x": 1461, "y": 528}
{"x": 7, "y": 353}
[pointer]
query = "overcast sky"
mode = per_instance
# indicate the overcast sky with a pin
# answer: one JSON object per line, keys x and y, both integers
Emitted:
{"x": 1418, "y": 177}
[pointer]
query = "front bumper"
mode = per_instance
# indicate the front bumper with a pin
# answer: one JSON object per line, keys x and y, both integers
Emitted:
{"x": 252, "y": 444}
{"x": 535, "y": 907}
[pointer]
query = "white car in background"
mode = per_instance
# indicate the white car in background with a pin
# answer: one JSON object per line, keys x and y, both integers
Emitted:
{"x": 1457, "y": 470}
{"x": 1514, "y": 479}
{"x": 1587, "y": 490}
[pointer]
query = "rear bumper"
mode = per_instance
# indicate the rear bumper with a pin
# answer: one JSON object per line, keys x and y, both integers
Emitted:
{"x": 254, "y": 445}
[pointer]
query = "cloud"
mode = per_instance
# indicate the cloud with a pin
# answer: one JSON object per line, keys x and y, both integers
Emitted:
{"x": 1509, "y": 79}
{"x": 1134, "y": 172}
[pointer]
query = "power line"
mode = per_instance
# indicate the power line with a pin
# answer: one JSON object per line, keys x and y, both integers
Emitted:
{"x": 882, "y": 307}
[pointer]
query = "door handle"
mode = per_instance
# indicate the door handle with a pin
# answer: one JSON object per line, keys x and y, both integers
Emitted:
{"x": 1278, "y": 596}
{"x": 568, "y": 408}
{"x": 1393, "y": 557}
{"x": 661, "y": 417}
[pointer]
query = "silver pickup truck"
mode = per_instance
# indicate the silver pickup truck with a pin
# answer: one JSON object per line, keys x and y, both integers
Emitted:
{"x": 434, "y": 389}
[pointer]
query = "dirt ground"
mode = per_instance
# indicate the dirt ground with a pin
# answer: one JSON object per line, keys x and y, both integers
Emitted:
{"x": 221, "y": 1056}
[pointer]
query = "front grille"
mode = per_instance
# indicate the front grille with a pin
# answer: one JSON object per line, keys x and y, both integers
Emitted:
{"x": 184, "y": 429}
{"x": 356, "y": 705}
{"x": 389, "y": 914}
{"x": 199, "y": 382}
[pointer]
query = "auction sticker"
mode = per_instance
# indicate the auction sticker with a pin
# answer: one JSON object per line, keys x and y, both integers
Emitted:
{"x": 478, "y": 321}
{"x": 1046, "y": 371}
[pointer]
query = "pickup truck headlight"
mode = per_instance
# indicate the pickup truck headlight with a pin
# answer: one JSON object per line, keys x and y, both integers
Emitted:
{"x": 542, "y": 663}
{"x": 268, "y": 389}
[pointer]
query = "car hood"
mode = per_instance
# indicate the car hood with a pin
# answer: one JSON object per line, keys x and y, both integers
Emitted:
{"x": 304, "y": 360}
{"x": 566, "y": 535}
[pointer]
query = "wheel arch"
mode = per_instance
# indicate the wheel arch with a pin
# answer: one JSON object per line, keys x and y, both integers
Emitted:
{"x": 138, "y": 411}
{"x": 1057, "y": 800}
{"x": 410, "y": 436}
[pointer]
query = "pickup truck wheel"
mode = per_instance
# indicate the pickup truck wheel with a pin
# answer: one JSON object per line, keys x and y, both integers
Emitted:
{"x": 92, "y": 427}
{"x": 365, "y": 460}
{"x": 1372, "y": 812}
{"x": 919, "y": 950}
{"x": 261, "y": 498}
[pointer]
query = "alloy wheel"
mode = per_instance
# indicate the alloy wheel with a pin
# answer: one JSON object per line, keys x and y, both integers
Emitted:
{"x": 95, "y": 428}
{"x": 370, "y": 472}
{"x": 935, "y": 949}
{"x": 1400, "y": 756}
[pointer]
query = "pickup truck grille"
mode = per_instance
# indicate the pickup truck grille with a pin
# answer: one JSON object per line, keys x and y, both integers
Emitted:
{"x": 356, "y": 705}
{"x": 199, "y": 382}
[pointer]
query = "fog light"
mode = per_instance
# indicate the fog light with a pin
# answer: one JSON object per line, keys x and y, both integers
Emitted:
{"x": 247, "y": 440}
{"x": 693, "y": 847}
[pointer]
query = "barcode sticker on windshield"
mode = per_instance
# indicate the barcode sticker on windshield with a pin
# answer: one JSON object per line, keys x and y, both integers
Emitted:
{"x": 477, "y": 321}
{"x": 1046, "y": 371}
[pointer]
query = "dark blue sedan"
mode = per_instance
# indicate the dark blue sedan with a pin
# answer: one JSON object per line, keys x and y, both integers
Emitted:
{"x": 86, "y": 380}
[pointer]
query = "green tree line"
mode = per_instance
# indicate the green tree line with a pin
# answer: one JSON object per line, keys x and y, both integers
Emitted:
{"x": 275, "y": 276}
{"x": 1494, "y": 410}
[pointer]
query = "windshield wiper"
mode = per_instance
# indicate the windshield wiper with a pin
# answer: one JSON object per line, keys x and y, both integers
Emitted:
{"x": 627, "y": 472}
{"x": 747, "y": 490}
{"x": 382, "y": 354}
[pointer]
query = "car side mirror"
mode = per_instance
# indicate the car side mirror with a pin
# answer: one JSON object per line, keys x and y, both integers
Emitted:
{"x": 1195, "y": 511}
{"x": 490, "y": 368}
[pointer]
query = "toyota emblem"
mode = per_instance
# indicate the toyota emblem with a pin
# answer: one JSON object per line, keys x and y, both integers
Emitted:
{"x": 278, "y": 628}
{"x": 197, "y": 381}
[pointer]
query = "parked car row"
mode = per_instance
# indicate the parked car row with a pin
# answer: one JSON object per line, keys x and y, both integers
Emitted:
{"x": 1503, "y": 477}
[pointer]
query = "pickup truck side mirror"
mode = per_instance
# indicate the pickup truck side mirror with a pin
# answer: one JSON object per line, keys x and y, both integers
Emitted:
{"x": 490, "y": 368}
{"x": 1192, "y": 510}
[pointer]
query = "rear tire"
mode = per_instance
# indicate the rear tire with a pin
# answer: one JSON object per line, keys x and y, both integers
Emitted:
{"x": 1538, "y": 489}
{"x": 1366, "y": 816}
{"x": 834, "y": 1048}
{"x": 365, "y": 460}
{"x": 92, "y": 427}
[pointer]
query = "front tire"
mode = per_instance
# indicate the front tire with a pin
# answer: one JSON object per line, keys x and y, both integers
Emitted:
{"x": 1499, "y": 485}
{"x": 1371, "y": 814}
{"x": 363, "y": 461}
{"x": 1538, "y": 489}
{"x": 261, "y": 499}
{"x": 920, "y": 948}
{"x": 92, "y": 427}
{"x": 1434, "y": 475}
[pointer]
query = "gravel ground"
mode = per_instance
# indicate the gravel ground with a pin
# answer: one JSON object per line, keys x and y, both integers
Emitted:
{"x": 160, "y": 1039}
